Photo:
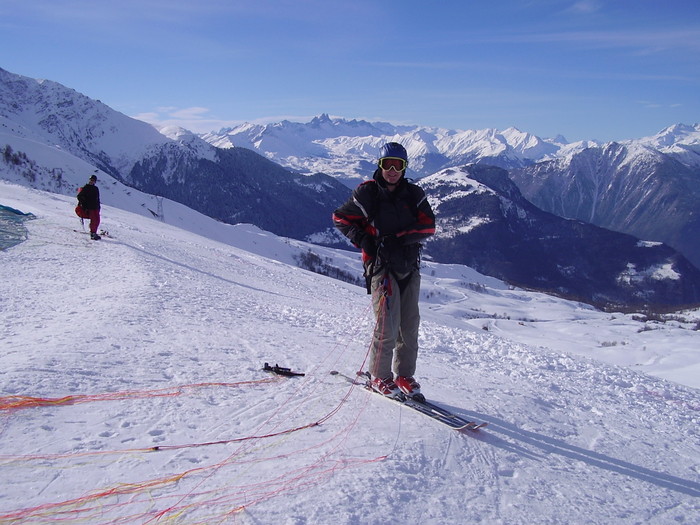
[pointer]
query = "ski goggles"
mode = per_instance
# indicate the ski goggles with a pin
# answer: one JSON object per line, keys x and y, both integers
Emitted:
{"x": 392, "y": 163}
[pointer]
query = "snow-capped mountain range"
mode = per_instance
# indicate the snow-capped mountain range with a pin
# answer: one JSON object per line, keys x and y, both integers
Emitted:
{"x": 45, "y": 125}
{"x": 347, "y": 149}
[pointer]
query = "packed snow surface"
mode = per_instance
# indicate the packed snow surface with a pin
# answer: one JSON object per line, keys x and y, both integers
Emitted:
{"x": 132, "y": 391}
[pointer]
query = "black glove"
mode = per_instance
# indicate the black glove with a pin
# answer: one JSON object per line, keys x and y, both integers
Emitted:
{"x": 368, "y": 245}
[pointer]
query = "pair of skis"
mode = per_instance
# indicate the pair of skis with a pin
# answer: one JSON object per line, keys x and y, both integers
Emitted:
{"x": 419, "y": 404}
{"x": 101, "y": 233}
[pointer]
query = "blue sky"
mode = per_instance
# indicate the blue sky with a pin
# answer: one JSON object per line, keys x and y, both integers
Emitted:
{"x": 589, "y": 69}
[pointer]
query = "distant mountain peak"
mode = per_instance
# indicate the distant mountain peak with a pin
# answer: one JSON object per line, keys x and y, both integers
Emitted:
{"x": 323, "y": 118}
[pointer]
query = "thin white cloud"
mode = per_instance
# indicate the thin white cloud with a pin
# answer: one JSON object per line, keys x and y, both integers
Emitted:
{"x": 681, "y": 39}
{"x": 193, "y": 113}
{"x": 656, "y": 105}
{"x": 584, "y": 7}
{"x": 198, "y": 120}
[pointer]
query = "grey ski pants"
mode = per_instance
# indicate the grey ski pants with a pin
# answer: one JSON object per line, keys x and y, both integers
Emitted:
{"x": 395, "y": 339}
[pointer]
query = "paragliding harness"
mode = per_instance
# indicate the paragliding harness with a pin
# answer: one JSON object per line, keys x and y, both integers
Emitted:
{"x": 382, "y": 263}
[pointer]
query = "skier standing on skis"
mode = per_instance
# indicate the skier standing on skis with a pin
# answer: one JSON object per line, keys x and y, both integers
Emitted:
{"x": 387, "y": 217}
{"x": 89, "y": 199}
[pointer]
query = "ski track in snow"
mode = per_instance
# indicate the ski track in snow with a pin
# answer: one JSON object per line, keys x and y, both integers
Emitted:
{"x": 179, "y": 327}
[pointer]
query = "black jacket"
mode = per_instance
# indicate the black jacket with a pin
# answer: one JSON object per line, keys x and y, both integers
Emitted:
{"x": 89, "y": 197}
{"x": 397, "y": 221}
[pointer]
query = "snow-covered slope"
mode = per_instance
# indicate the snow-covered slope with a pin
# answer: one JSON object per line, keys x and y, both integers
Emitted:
{"x": 132, "y": 391}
